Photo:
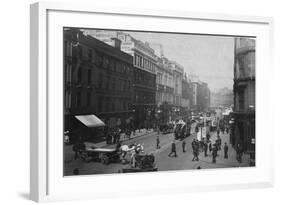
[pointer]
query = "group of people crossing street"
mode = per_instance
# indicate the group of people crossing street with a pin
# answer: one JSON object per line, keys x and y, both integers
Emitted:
{"x": 210, "y": 148}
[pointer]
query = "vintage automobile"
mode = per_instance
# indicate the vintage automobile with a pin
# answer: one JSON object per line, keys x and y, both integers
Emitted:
{"x": 108, "y": 155}
{"x": 104, "y": 155}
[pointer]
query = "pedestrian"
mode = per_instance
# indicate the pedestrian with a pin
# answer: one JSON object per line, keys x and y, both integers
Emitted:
{"x": 218, "y": 142}
{"x": 210, "y": 147}
{"x": 193, "y": 144}
{"x": 239, "y": 153}
{"x": 208, "y": 136}
{"x": 183, "y": 146}
{"x": 157, "y": 142}
{"x": 195, "y": 148}
{"x": 173, "y": 150}
{"x": 196, "y": 129}
{"x": 205, "y": 148}
{"x": 214, "y": 153}
{"x": 222, "y": 130}
{"x": 225, "y": 148}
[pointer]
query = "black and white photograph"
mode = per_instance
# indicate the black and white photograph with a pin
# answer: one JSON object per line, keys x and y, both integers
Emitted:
{"x": 149, "y": 101}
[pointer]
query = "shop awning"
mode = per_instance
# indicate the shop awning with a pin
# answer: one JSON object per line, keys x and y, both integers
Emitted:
{"x": 90, "y": 120}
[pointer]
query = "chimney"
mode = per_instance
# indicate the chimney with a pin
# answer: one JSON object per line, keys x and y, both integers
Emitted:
{"x": 116, "y": 43}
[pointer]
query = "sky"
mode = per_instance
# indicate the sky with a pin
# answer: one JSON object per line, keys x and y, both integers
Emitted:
{"x": 209, "y": 57}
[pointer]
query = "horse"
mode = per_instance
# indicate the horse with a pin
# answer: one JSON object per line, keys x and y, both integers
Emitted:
{"x": 132, "y": 149}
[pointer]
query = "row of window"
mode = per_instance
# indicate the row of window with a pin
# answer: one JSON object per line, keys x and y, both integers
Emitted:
{"x": 141, "y": 62}
{"x": 145, "y": 98}
{"x": 105, "y": 104}
{"x": 144, "y": 79}
{"x": 113, "y": 83}
{"x": 104, "y": 81}
{"x": 246, "y": 65}
{"x": 164, "y": 80}
{"x": 164, "y": 97}
{"x": 105, "y": 61}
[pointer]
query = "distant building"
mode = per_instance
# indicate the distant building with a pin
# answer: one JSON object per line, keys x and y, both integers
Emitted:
{"x": 178, "y": 72}
{"x": 164, "y": 82}
{"x": 98, "y": 79}
{"x": 222, "y": 98}
{"x": 244, "y": 94}
{"x": 186, "y": 93}
{"x": 201, "y": 95}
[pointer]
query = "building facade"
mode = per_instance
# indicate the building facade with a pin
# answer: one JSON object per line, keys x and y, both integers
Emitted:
{"x": 164, "y": 82}
{"x": 144, "y": 84}
{"x": 244, "y": 94}
{"x": 201, "y": 96}
{"x": 98, "y": 79}
{"x": 186, "y": 93}
{"x": 178, "y": 72}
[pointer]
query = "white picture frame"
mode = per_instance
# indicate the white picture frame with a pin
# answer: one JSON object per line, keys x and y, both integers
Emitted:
{"x": 46, "y": 179}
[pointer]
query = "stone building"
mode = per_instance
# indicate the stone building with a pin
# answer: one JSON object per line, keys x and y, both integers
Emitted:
{"x": 244, "y": 94}
{"x": 144, "y": 80}
{"x": 98, "y": 79}
{"x": 186, "y": 93}
{"x": 201, "y": 95}
{"x": 164, "y": 82}
{"x": 178, "y": 72}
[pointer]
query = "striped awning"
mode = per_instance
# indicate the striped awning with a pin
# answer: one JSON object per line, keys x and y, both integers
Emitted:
{"x": 90, "y": 120}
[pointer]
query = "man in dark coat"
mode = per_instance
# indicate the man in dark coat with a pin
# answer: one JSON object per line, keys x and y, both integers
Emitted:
{"x": 183, "y": 145}
{"x": 210, "y": 147}
{"x": 208, "y": 136}
{"x": 214, "y": 152}
{"x": 218, "y": 142}
{"x": 173, "y": 150}
{"x": 225, "y": 148}
{"x": 196, "y": 129}
{"x": 205, "y": 145}
{"x": 195, "y": 147}
{"x": 157, "y": 142}
{"x": 239, "y": 152}
{"x": 193, "y": 144}
{"x": 218, "y": 131}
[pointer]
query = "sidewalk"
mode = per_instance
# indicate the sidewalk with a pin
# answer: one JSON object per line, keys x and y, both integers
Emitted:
{"x": 123, "y": 138}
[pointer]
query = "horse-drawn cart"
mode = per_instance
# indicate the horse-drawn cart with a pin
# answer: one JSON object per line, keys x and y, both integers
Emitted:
{"x": 105, "y": 155}
{"x": 143, "y": 163}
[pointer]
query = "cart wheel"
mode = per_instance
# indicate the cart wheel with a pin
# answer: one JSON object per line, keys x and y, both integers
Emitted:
{"x": 105, "y": 159}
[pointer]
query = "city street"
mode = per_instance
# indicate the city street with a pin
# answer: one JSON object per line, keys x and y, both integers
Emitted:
{"x": 119, "y": 81}
{"x": 162, "y": 160}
